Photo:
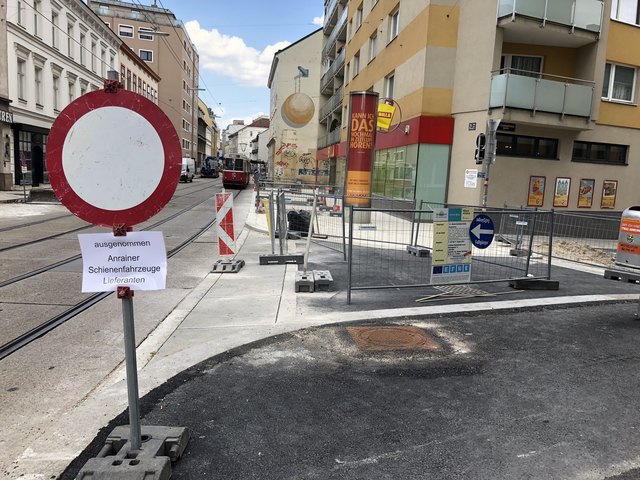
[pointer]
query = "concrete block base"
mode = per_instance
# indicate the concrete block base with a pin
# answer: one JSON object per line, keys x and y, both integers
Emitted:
{"x": 304, "y": 282}
{"x": 418, "y": 251}
{"x": 322, "y": 279}
{"x": 535, "y": 284}
{"x": 275, "y": 259}
{"x": 116, "y": 461}
{"x": 227, "y": 266}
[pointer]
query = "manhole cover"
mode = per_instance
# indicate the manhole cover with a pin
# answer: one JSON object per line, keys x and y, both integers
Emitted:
{"x": 392, "y": 338}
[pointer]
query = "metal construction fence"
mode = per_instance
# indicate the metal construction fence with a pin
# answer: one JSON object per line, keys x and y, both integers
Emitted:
{"x": 394, "y": 249}
{"x": 586, "y": 238}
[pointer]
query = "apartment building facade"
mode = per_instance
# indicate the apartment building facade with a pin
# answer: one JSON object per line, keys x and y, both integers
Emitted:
{"x": 557, "y": 74}
{"x": 294, "y": 83}
{"x": 162, "y": 42}
{"x": 240, "y": 137}
{"x": 55, "y": 52}
{"x": 136, "y": 76}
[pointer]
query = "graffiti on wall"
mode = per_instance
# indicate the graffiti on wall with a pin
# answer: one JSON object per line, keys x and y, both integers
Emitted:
{"x": 291, "y": 164}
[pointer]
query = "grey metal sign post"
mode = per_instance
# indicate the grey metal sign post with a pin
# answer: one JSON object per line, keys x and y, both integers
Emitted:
{"x": 490, "y": 157}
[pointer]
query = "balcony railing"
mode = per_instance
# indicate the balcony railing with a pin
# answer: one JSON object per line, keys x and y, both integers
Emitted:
{"x": 583, "y": 14}
{"x": 330, "y": 11}
{"x": 333, "y": 69}
{"x": 338, "y": 29}
{"x": 332, "y": 104}
{"x": 544, "y": 93}
{"x": 329, "y": 139}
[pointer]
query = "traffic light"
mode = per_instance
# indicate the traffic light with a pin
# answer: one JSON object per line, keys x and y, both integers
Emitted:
{"x": 481, "y": 141}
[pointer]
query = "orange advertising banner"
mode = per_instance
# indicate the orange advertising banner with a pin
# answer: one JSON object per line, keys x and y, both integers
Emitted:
{"x": 630, "y": 225}
{"x": 361, "y": 141}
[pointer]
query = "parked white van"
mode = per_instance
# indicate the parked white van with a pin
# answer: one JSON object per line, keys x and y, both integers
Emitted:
{"x": 188, "y": 170}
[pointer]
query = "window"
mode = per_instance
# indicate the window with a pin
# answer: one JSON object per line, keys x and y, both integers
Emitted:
{"x": 625, "y": 11}
{"x": 94, "y": 50}
{"x": 125, "y": 31}
{"x": 394, "y": 173}
{"x": 358, "y": 19}
{"x": 20, "y": 13}
{"x": 83, "y": 39}
{"x": 72, "y": 90}
{"x": 145, "y": 33}
{"x": 103, "y": 63}
{"x": 356, "y": 64}
{"x": 373, "y": 40}
{"x": 83, "y": 88}
{"x": 128, "y": 79}
{"x": 37, "y": 11}
{"x": 70, "y": 40}
{"x": 56, "y": 92}
{"x": 394, "y": 24}
{"x": 123, "y": 74}
{"x": 389, "y": 82}
{"x": 619, "y": 82}
{"x": 54, "y": 29}
{"x": 22, "y": 65}
{"x": 186, "y": 144}
{"x": 146, "y": 55}
{"x": 135, "y": 83}
{"x": 38, "y": 85}
{"x": 104, "y": 9}
{"x": 599, "y": 153}
{"x": 525, "y": 65}
{"x": 523, "y": 146}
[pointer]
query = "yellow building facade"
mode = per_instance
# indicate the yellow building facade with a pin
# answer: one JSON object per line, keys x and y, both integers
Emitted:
{"x": 558, "y": 75}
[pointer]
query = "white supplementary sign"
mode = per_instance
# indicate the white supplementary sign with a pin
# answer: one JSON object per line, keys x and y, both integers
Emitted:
{"x": 471, "y": 178}
{"x": 137, "y": 260}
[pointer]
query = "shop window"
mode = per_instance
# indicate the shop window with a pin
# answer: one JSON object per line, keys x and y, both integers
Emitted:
{"x": 605, "y": 153}
{"x": 530, "y": 147}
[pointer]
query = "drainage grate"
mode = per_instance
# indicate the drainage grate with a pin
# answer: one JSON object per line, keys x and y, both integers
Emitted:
{"x": 392, "y": 338}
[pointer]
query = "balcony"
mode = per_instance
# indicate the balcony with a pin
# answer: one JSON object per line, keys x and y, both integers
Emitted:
{"x": 338, "y": 33}
{"x": 335, "y": 67}
{"x": 567, "y": 23}
{"x": 329, "y": 139}
{"x": 334, "y": 103}
{"x": 571, "y": 98}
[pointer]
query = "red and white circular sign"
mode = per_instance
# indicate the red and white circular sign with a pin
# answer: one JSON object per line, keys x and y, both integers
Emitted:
{"x": 113, "y": 158}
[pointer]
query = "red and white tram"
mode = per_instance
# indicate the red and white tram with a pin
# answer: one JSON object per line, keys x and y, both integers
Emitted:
{"x": 236, "y": 172}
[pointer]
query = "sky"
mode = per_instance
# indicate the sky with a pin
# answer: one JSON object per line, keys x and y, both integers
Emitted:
{"x": 236, "y": 40}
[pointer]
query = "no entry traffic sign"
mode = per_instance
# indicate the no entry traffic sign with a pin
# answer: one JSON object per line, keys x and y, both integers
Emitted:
{"x": 113, "y": 158}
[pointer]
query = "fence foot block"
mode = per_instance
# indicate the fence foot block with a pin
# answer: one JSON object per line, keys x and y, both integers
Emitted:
{"x": 304, "y": 282}
{"x": 630, "y": 277}
{"x": 227, "y": 266}
{"x": 335, "y": 214}
{"x": 535, "y": 284}
{"x": 322, "y": 279}
{"x": 518, "y": 252}
{"x": 418, "y": 251}
{"x": 274, "y": 259}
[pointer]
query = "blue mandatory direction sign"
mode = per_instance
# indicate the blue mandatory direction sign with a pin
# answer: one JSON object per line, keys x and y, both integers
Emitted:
{"x": 481, "y": 231}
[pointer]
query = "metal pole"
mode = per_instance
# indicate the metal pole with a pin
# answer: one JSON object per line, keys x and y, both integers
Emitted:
{"x": 135, "y": 436}
{"x": 490, "y": 157}
{"x": 551, "y": 227}
{"x": 344, "y": 229}
{"x": 271, "y": 224}
{"x": 419, "y": 221}
{"x": 313, "y": 214}
{"x": 530, "y": 251}
{"x": 350, "y": 263}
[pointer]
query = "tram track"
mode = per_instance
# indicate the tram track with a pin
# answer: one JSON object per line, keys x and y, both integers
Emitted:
{"x": 66, "y": 232}
{"x": 47, "y": 326}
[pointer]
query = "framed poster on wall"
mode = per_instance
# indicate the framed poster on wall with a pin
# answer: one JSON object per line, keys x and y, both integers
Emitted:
{"x": 561, "y": 192}
{"x": 536, "y": 191}
{"x": 585, "y": 192}
{"x": 609, "y": 191}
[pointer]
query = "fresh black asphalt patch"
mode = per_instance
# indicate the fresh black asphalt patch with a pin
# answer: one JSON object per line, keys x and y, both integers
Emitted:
{"x": 536, "y": 394}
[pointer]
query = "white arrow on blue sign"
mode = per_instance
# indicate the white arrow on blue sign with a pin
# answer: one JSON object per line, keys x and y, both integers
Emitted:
{"x": 481, "y": 231}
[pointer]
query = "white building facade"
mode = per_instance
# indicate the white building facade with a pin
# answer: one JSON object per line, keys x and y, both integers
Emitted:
{"x": 56, "y": 52}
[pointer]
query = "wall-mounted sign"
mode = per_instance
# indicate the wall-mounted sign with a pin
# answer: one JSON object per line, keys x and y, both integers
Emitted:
{"x": 6, "y": 117}
{"x": 506, "y": 127}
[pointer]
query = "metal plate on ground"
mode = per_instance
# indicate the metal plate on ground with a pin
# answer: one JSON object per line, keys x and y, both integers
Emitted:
{"x": 461, "y": 290}
{"x": 392, "y": 338}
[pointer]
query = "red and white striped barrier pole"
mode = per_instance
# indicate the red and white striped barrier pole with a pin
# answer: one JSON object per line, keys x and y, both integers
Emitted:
{"x": 224, "y": 214}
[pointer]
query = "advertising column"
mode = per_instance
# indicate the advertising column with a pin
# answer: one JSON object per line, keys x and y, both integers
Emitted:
{"x": 361, "y": 141}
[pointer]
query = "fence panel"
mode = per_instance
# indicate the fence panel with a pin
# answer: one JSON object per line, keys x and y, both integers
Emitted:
{"x": 379, "y": 256}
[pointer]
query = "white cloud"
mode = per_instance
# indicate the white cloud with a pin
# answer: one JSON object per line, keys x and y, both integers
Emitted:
{"x": 319, "y": 21}
{"x": 230, "y": 56}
